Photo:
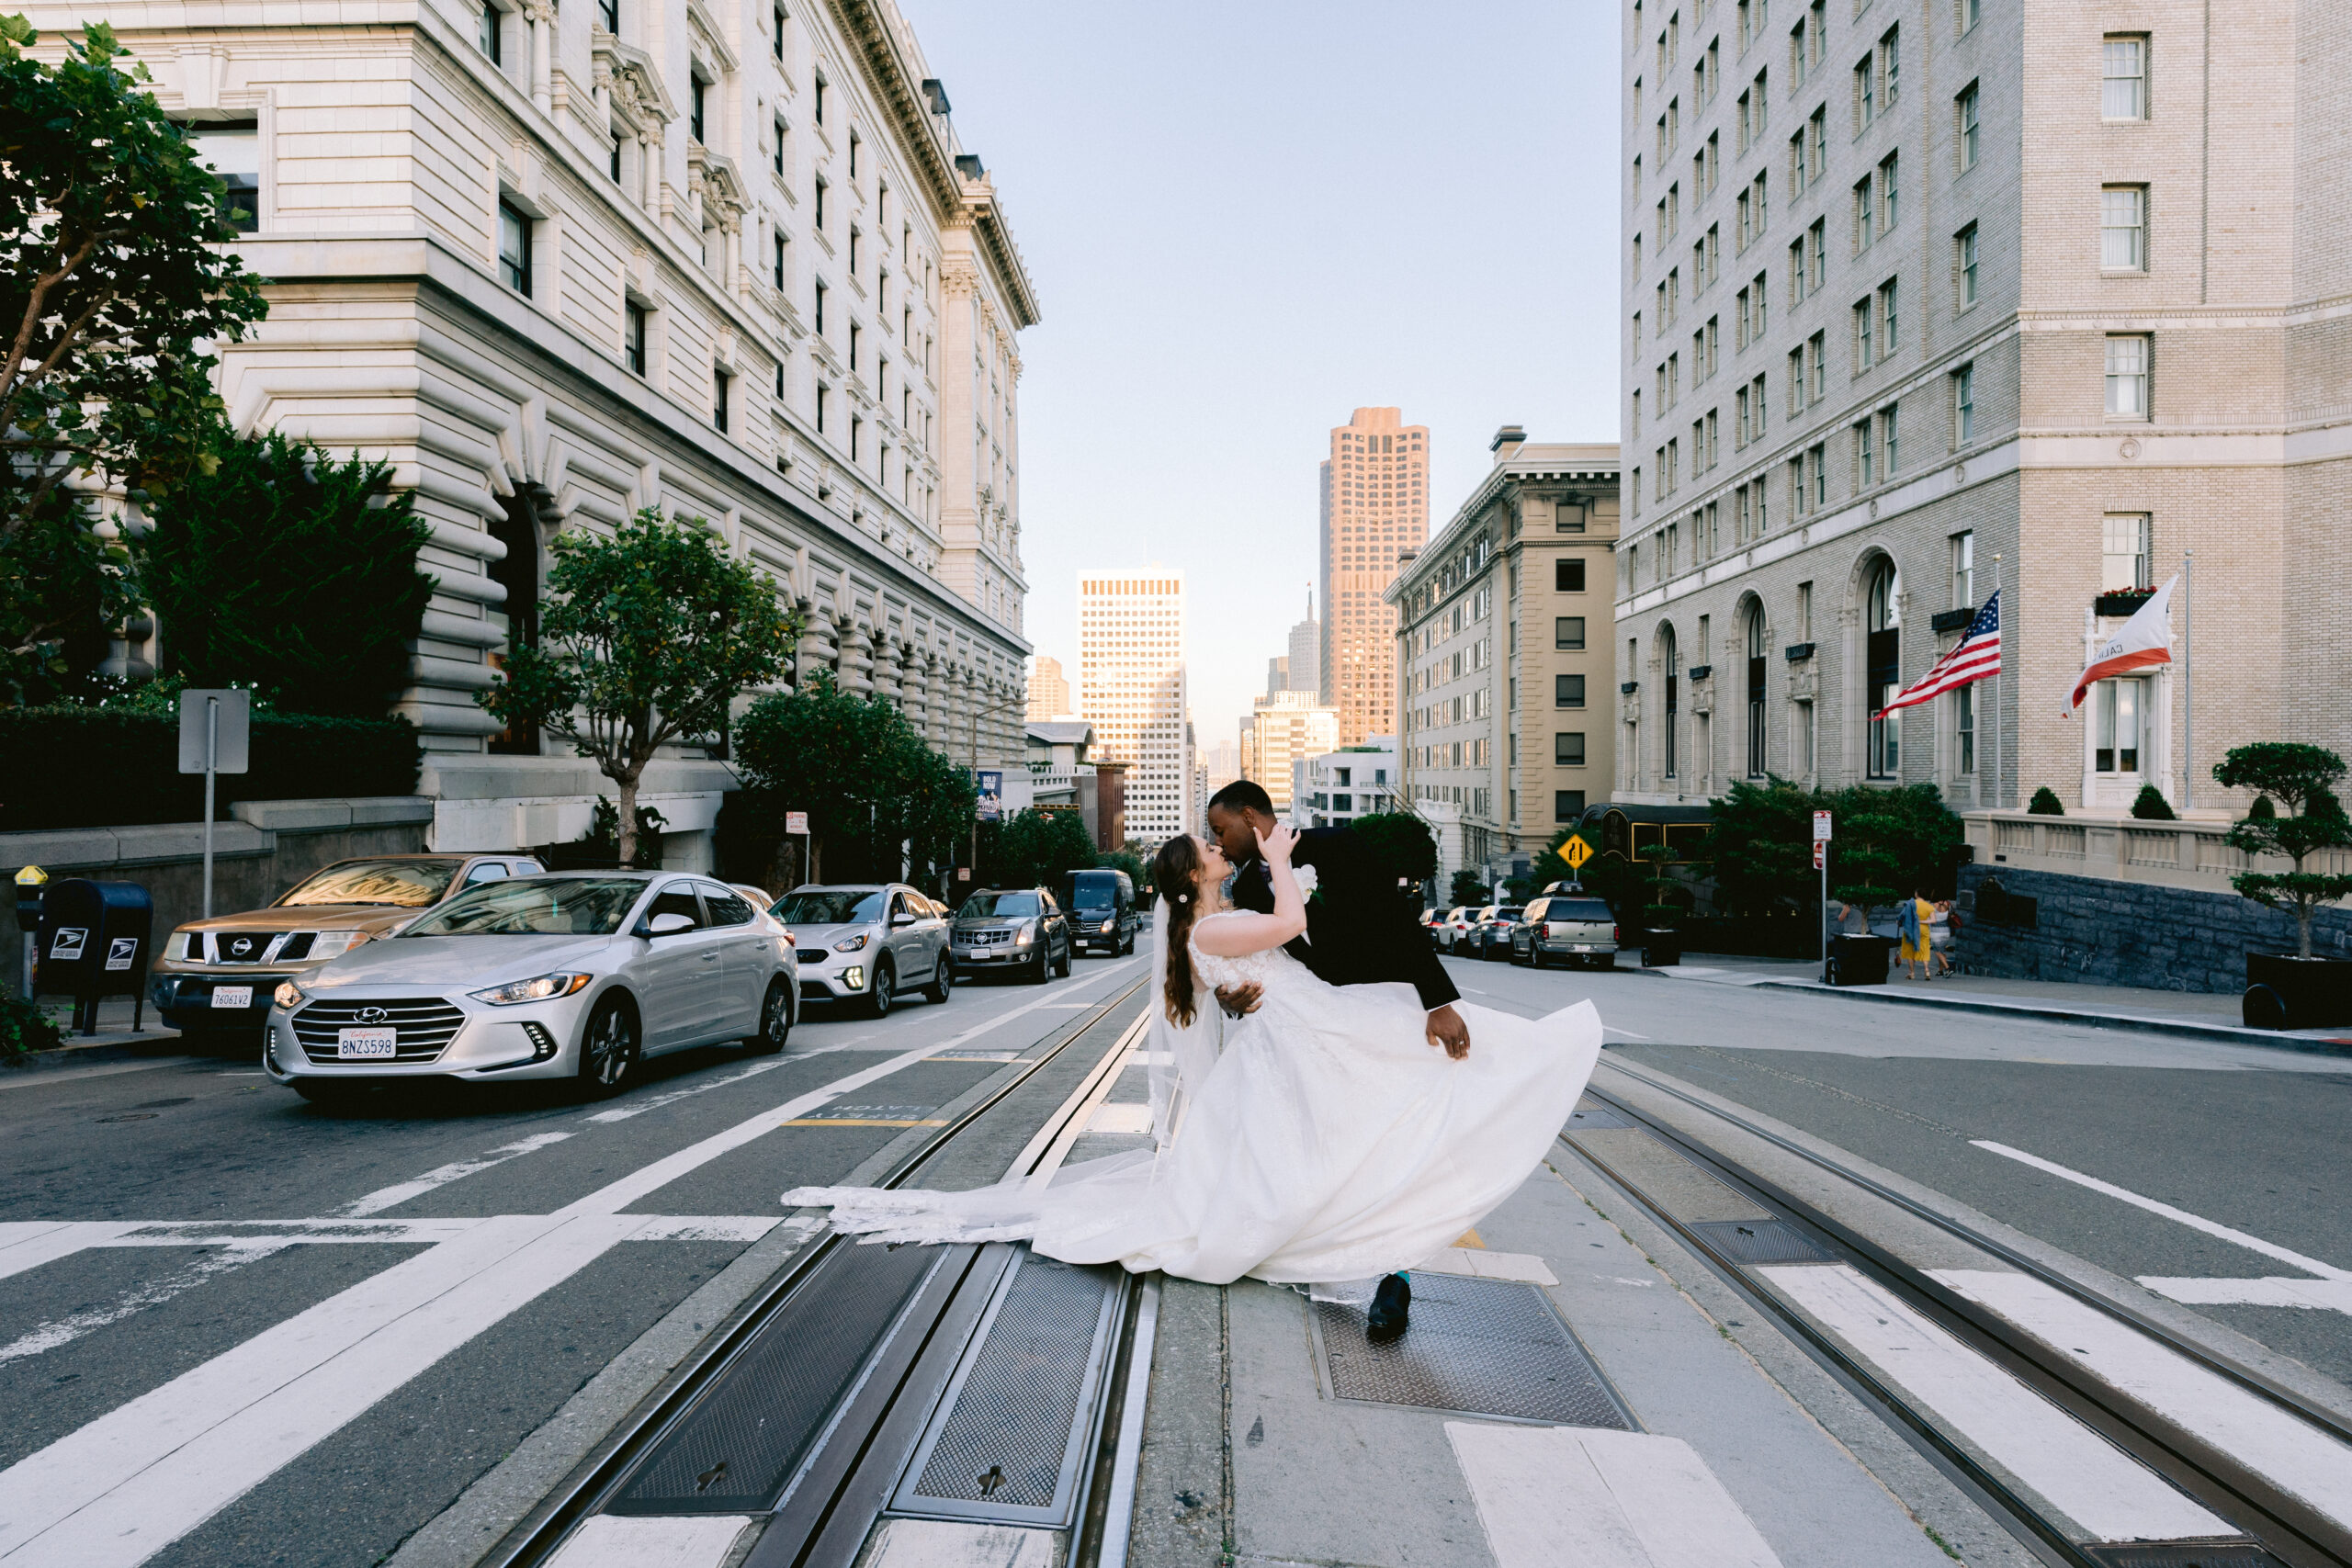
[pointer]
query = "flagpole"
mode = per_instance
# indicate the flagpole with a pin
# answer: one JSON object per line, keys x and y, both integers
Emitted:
{"x": 2187, "y": 679}
{"x": 1997, "y": 685}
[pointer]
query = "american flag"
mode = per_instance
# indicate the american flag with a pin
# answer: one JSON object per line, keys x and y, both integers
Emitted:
{"x": 1977, "y": 657}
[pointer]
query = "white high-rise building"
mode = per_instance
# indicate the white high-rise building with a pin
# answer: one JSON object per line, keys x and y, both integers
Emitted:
{"x": 1284, "y": 728}
{"x": 1131, "y": 687}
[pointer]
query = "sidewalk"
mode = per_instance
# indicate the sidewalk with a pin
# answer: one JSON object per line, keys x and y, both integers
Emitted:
{"x": 2196, "y": 1014}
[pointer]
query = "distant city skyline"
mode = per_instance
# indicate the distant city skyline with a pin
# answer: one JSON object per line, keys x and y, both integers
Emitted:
{"x": 1144, "y": 322}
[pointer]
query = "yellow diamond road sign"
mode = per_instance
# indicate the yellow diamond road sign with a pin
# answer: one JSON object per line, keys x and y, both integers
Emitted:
{"x": 1576, "y": 851}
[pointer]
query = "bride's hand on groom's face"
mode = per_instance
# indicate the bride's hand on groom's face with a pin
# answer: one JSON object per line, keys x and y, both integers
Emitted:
{"x": 1275, "y": 843}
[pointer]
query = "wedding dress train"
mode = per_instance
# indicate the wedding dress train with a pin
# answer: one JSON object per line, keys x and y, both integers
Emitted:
{"x": 1328, "y": 1141}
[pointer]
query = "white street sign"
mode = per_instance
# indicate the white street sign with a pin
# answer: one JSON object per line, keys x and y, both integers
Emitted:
{"x": 1821, "y": 827}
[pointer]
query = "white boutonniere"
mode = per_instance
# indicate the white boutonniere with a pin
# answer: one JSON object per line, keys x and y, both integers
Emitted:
{"x": 1304, "y": 876}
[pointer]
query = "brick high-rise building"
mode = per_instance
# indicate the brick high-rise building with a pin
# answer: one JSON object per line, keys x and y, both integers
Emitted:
{"x": 1376, "y": 506}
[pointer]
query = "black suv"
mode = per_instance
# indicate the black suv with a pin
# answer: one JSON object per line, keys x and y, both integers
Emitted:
{"x": 1102, "y": 911}
{"x": 1021, "y": 929}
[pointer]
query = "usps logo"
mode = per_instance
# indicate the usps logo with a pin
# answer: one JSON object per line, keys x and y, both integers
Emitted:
{"x": 121, "y": 951}
{"x": 69, "y": 942}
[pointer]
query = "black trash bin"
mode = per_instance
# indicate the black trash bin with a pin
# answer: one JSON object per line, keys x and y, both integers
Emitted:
{"x": 1858, "y": 960}
{"x": 96, "y": 939}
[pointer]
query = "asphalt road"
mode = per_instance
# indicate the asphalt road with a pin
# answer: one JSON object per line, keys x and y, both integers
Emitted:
{"x": 511, "y": 1228}
{"x": 2252, "y": 1139}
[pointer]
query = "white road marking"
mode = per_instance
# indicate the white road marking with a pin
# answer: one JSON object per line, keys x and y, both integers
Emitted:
{"x": 117, "y": 1491}
{"x": 400, "y": 1193}
{"x": 64, "y": 1330}
{"x": 1553, "y": 1495}
{"x": 2261, "y": 1436}
{"x": 2195, "y": 1222}
{"x": 2089, "y": 1479}
{"x": 1120, "y": 1119}
{"x": 610, "y": 1541}
{"x": 1613, "y": 1029}
{"x": 28, "y": 1244}
{"x": 713, "y": 1227}
{"x": 943, "y": 1543}
{"x": 2274, "y": 1292}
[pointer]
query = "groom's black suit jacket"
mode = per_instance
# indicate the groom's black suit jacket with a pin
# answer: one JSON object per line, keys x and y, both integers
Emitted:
{"x": 1360, "y": 929}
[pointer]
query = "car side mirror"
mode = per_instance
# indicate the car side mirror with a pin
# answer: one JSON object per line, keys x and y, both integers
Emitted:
{"x": 667, "y": 925}
{"x": 903, "y": 917}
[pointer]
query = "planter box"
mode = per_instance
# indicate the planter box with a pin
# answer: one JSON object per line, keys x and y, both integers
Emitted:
{"x": 2286, "y": 992}
{"x": 1660, "y": 948}
{"x": 2119, "y": 603}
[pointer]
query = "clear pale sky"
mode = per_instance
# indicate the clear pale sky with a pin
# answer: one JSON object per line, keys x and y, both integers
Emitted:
{"x": 1245, "y": 221}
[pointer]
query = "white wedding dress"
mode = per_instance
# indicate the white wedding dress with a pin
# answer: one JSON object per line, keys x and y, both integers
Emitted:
{"x": 1327, "y": 1144}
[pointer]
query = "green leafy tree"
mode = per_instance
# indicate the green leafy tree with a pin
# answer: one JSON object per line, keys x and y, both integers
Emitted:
{"x": 1402, "y": 845}
{"x": 1469, "y": 887}
{"x": 648, "y": 637}
{"x": 863, "y": 773}
{"x": 2302, "y": 778}
{"x": 63, "y": 586}
{"x": 286, "y": 568}
{"x": 1034, "y": 848}
{"x": 111, "y": 292}
{"x": 1888, "y": 842}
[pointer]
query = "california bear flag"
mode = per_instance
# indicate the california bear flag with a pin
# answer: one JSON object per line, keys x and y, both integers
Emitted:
{"x": 2146, "y": 639}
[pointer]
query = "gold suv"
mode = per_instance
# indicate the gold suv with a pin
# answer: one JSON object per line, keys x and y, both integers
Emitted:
{"x": 220, "y": 973}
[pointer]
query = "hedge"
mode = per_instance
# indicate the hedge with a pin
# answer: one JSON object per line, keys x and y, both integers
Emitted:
{"x": 70, "y": 767}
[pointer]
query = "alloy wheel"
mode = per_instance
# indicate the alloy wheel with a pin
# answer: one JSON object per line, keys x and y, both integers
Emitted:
{"x": 608, "y": 1047}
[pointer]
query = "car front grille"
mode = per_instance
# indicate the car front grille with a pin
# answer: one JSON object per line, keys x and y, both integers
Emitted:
{"x": 984, "y": 939}
{"x": 426, "y": 1025}
{"x": 254, "y": 947}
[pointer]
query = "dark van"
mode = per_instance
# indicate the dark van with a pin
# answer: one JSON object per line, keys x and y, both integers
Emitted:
{"x": 1102, "y": 911}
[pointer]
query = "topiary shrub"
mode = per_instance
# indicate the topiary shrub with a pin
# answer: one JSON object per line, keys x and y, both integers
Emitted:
{"x": 2045, "y": 803}
{"x": 2150, "y": 804}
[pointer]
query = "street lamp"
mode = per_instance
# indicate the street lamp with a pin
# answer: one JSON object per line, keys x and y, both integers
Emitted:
{"x": 973, "y": 761}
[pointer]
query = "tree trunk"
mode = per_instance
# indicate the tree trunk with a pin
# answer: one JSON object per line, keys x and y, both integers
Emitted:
{"x": 2303, "y": 926}
{"x": 627, "y": 825}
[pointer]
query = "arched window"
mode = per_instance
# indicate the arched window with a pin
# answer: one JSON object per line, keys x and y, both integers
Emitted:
{"x": 1756, "y": 673}
{"x": 1673, "y": 693}
{"x": 1883, "y": 618}
{"x": 517, "y": 527}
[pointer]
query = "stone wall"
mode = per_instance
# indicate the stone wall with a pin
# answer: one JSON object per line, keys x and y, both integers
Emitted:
{"x": 2096, "y": 931}
{"x": 270, "y": 846}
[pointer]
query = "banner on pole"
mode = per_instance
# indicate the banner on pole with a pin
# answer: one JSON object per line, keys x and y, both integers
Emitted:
{"x": 992, "y": 783}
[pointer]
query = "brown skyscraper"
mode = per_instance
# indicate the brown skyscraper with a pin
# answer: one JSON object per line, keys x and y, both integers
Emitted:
{"x": 1376, "y": 506}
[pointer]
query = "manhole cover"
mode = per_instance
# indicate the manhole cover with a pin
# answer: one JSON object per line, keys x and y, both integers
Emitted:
{"x": 1491, "y": 1347}
{"x": 1761, "y": 1241}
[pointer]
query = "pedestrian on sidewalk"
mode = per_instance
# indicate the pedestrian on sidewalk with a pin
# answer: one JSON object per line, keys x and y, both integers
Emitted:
{"x": 1911, "y": 929}
{"x": 1943, "y": 931}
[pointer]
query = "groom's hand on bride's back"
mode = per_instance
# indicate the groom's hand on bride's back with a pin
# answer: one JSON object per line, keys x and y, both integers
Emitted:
{"x": 1239, "y": 1000}
{"x": 1448, "y": 1032}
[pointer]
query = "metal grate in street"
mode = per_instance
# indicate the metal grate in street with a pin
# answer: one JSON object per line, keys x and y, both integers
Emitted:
{"x": 1492, "y": 1347}
{"x": 1761, "y": 1241}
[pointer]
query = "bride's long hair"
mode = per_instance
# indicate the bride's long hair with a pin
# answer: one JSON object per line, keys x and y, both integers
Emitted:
{"x": 1175, "y": 872}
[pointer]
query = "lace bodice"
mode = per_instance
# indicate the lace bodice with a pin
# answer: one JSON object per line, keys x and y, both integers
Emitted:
{"x": 1262, "y": 969}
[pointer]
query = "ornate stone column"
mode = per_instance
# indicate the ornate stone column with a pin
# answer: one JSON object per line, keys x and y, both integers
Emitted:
{"x": 817, "y": 650}
{"x": 857, "y": 658}
{"x": 887, "y": 657}
{"x": 540, "y": 14}
{"x": 914, "y": 691}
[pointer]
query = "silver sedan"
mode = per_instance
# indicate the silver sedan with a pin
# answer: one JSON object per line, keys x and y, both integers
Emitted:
{"x": 561, "y": 975}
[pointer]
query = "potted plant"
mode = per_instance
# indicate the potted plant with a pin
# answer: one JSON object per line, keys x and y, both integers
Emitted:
{"x": 1660, "y": 928}
{"x": 2291, "y": 990}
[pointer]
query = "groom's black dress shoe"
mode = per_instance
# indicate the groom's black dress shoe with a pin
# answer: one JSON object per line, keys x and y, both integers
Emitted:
{"x": 1392, "y": 1310}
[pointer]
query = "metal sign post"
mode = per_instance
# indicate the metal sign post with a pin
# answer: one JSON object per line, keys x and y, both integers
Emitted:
{"x": 214, "y": 728}
{"x": 1821, "y": 864}
{"x": 30, "y": 883}
{"x": 2188, "y": 681}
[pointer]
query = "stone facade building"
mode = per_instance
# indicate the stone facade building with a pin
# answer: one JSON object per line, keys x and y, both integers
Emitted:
{"x": 1505, "y": 655}
{"x": 1913, "y": 286}
{"x": 724, "y": 259}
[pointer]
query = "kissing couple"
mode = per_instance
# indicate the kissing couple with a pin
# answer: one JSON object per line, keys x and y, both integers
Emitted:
{"x": 1335, "y": 1117}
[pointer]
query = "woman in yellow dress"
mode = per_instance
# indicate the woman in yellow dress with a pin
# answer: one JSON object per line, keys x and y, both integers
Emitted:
{"x": 1912, "y": 927}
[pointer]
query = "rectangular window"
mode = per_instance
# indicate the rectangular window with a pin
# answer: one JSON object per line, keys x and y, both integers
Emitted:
{"x": 1864, "y": 214}
{"x": 1568, "y": 749}
{"x": 1567, "y": 805}
{"x": 1890, "y": 67}
{"x": 778, "y": 277}
{"x": 1890, "y": 444}
{"x": 2127, "y": 375}
{"x": 1567, "y": 632}
{"x": 780, "y": 145}
{"x": 2123, "y": 85}
{"x": 1797, "y": 274}
{"x": 1963, "y": 729}
{"x": 1888, "y": 337}
{"x": 1568, "y": 690}
{"x": 1816, "y": 473}
{"x": 2123, "y": 228}
{"x": 698, "y": 103}
{"x": 820, "y": 213}
{"x": 1797, "y": 381}
{"x": 1963, "y": 405}
{"x": 2116, "y": 749}
{"x": 1799, "y": 175}
{"x": 1888, "y": 211}
{"x": 489, "y": 24}
{"x": 1863, "y": 334}
{"x": 820, "y": 307}
{"x": 1964, "y": 569}
{"x": 633, "y": 337}
{"x": 233, "y": 153}
{"x": 1816, "y": 367}
{"x": 608, "y": 12}
{"x": 775, "y": 42}
{"x": 1865, "y": 456}
{"x": 1817, "y": 250}
{"x": 721, "y": 385}
{"x": 1965, "y": 133}
{"x": 1965, "y": 13}
{"x": 515, "y": 248}
{"x": 2124, "y": 561}
{"x": 1963, "y": 266}
{"x": 1567, "y": 575}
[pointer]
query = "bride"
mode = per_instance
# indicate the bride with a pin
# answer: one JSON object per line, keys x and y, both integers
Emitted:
{"x": 1326, "y": 1144}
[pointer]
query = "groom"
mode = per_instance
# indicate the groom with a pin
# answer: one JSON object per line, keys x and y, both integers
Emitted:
{"x": 1360, "y": 931}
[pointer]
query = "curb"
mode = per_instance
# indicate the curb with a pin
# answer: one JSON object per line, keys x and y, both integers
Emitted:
{"x": 2221, "y": 1032}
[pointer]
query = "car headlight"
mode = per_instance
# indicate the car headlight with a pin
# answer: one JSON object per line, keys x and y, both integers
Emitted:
{"x": 331, "y": 944}
{"x": 1028, "y": 933}
{"x": 1110, "y": 925}
{"x": 534, "y": 990}
{"x": 290, "y": 995}
{"x": 176, "y": 947}
{"x": 852, "y": 943}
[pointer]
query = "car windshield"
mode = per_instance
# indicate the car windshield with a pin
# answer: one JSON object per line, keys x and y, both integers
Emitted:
{"x": 998, "y": 906}
{"x": 1094, "y": 895}
{"x": 1576, "y": 909}
{"x": 829, "y": 906}
{"x": 407, "y": 884}
{"x": 538, "y": 905}
{"x": 1510, "y": 913}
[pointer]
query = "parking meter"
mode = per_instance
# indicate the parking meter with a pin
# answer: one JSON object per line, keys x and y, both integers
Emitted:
{"x": 94, "y": 940}
{"x": 30, "y": 880}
